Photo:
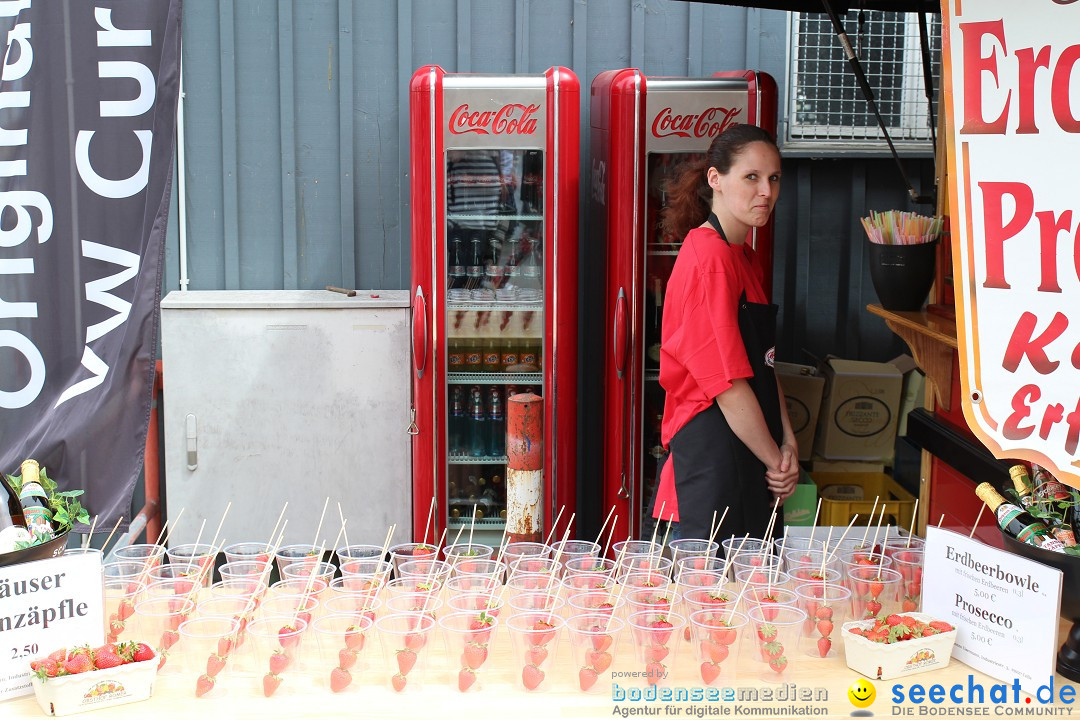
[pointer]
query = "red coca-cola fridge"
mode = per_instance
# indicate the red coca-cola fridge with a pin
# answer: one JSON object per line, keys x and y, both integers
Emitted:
{"x": 494, "y": 187}
{"x": 643, "y": 129}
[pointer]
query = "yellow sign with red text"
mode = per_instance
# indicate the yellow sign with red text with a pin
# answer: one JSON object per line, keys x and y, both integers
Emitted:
{"x": 1012, "y": 97}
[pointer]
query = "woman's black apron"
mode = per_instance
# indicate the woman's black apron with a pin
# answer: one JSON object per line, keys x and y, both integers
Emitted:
{"x": 713, "y": 468}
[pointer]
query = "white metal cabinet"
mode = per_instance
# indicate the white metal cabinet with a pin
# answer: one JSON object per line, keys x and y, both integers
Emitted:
{"x": 287, "y": 395}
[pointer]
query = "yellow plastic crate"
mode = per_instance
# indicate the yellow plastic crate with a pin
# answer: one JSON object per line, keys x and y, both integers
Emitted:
{"x": 845, "y": 494}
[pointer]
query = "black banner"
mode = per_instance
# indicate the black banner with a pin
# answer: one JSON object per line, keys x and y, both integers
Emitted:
{"x": 88, "y": 94}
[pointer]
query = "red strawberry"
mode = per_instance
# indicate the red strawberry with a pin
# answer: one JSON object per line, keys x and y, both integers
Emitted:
{"x": 940, "y": 625}
{"x": 406, "y": 659}
{"x": 825, "y": 627}
{"x": 600, "y": 661}
{"x": 481, "y": 627}
{"x": 214, "y": 665}
{"x": 279, "y": 662}
{"x": 823, "y": 646}
{"x": 271, "y": 682}
{"x": 824, "y": 613}
{"x": 876, "y": 588}
{"x": 709, "y": 672}
{"x": 543, "y": 632}
{"x": 48, "y": 668}
{"x": 224, "y": 646}
{"x": 661, "y": 630}
{"x": 713, "y": 651}
{"x": 465, "y": 678}
{"x": 78, "y": 664}
{"x": 601, "y": 642}
{"x": 474, "y": 655}
{"x": 398, "y": 681}
{"x": 415, "y": 641}
{"x": 105, "y": 657}
{"x": 724, "y": 636}
{"x": 927, "y": 632}
{"x": 142, "y": 652}
{"x": 205, "y": 684}
{"x": 654, "y": 671}
{"x": 766, "y": 632}
{"x": 339, "y": 679}
{"x": 771, "y": 650}
{"x": 287, "y": 636}
{"x": 778, "y": 664}
{"x": 354, "y": 638}
{"x": 125, "y": 610}
{"x": 893, "y": 620}
{"x": 586, "y": 678}
{"x": 536, "y": 655}
{"x": 59, "y": 656}
{"x": 909, "y": 605}
{"x": 531, "y": 677}
{"x": 346, "y": 658}
{"x": 656, "y": 653}
{"x": 873, "y": 607}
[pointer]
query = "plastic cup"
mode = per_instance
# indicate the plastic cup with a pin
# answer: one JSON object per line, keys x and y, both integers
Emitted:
{"x": 202, "y": 555}
{"x": 776, "y": 630}
{"x": 782, "y": 545}
{"x": 244, "y": 571}
{"x": 489, "y": 568}
{"x": 644, "y": 563}
{"x": 416, "y": 603}
{"x": 768, "y": 600}
{"x": 305, "y": 607}
{"x": 535, "y": 566}
{"x": 896, "y": 544}
{"x": 656, "y": 638}
{"x": 134, "y": 572}
{"x": 762, "y": 580}
{"x": 405, "y": 552}
{"x": 535, "y": 639}
{"x": 687, "y": 564}
{"x": 411, "y": 586}
{"x": 314, "y": 587}
{"x": 808, "y": 562}
{"x": 121, "y": 597}
{"x": 206, "y": 661}
{"x": 566, "y": 550}
{"x": 757, "y": 565}
{"x": 694, "y": 579}
{"x": 594, "y": 640}
{"x": 466, "y": 555}
{"x": 589, "y": 566}
{"x": 278, "y": 655}
{"x": 425, "y": 569}
{"x": 472, "y": 584}
{"x": 909, "y": 563}
{"x": 537, "y": 602}
{"x": 364, "y": 575}
{"x": 256, "y": 552}
{"x": 190, "y": 572}
{"x": 644, "y": 579}
{"x": 737, "y": 546}
{"x": 353, "y": 605}
{"x": 492, "y": 604}
{"x": 157, "y": 622}
{"x": 358, "y": 552}
{"x": 340, "y": 659}
{"x": 290, "y": 554}
{"x": 874, "y": 592}
{"x": 827, "y": 607}
{"x": 659, "y": 600}
{"x": 596, "y": 602}
{"x": 518, "y": 550}
{"x": 467, "y": 637}
{"x": 147, "y": 555}
{"x": 528, "y": 582}
{"x": 849, "y": 559}
{"x": 716, "y": 636}
{"x": 694, "y": 549}
{"x": 405, "y": 640}
{"x": 246, "y": 589}
{"x": 806, "y": 576}
{"x": 167, "y": 588}
{"x": 588, "y": 581}
{"x": 304, "y": 569}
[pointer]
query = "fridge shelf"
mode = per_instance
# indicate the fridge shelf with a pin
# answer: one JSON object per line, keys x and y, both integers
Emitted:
{"x": 496, "y": 305}
{"x": 468, "y": 216}
{"x": 652, "y": 376}
{"x": 476, "y": 459}
{"x": 485, "y": 523}
{"x": 663, "y": 251}
{"x": 495, "y": 378}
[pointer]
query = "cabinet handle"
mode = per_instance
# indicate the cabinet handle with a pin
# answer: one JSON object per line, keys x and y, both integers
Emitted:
{"x": 419, "y": 333}
{"x": 619, "y": 334}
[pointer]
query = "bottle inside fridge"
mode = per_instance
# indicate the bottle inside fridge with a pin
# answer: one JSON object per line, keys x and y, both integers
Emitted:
{"x": 495, "y": 319}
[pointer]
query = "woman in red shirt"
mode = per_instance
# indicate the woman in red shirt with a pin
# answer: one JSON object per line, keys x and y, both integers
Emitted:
{"x": 725, "y": 422}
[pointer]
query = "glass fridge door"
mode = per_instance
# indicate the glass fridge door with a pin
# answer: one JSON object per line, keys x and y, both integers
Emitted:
{"x": 660, "y": 252}
{"x": 495, "y": 322}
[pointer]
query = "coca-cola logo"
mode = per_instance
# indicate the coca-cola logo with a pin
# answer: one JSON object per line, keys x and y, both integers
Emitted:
{"x": 708, "y": 123}
{"x": 510, "y": 119}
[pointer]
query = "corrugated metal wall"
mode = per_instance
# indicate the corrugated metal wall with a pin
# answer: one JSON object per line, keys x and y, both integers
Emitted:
{"x": 297, "y": 146}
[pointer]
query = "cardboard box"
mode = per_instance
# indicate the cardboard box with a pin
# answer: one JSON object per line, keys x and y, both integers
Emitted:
{"x": 914, "y": 391}
{"x": 803, "y": 388}
{"x": 799, "y": 508}
{"x": 859, "y": 413}
{"x": 820, "y": 464}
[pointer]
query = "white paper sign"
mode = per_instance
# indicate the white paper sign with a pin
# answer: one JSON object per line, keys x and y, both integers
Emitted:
{"x": 44, "y": 606}
{"x": 1012, "y": 98}
{"x": 1004, "y": 606}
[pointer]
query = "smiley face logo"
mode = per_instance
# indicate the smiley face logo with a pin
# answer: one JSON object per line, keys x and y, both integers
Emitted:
{"x": 862, "y": 693}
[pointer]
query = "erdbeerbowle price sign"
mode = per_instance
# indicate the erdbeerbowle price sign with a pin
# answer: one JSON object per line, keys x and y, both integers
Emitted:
{"x": 44, "y": 606}
{"x": 1012, "y": 95}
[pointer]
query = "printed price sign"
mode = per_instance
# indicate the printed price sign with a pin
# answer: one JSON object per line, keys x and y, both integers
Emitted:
{"x": 46, "y": 605}
{"x": 999, "y": 603}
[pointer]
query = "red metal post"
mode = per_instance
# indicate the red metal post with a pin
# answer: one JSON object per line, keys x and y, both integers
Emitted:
{"x": 525, "y": 468}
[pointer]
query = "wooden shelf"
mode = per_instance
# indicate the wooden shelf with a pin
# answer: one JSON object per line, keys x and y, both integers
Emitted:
{"x": 932, "y": 340}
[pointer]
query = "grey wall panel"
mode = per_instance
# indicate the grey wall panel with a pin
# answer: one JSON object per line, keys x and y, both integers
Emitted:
{"x": 297, "y": 141}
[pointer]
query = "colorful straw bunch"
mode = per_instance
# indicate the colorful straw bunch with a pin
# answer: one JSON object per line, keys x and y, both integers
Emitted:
{"x": 894, "y": 227}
